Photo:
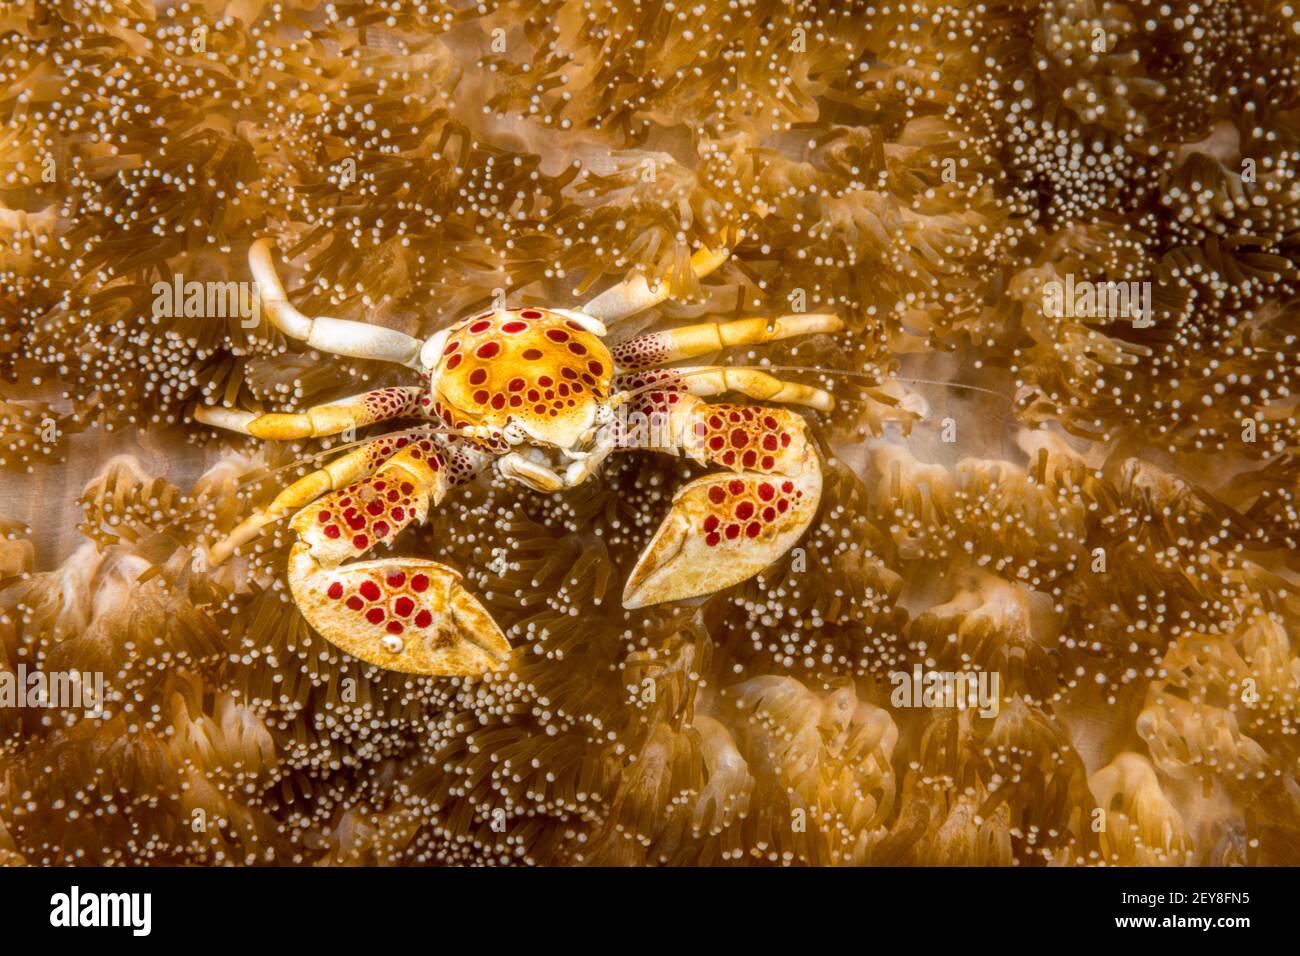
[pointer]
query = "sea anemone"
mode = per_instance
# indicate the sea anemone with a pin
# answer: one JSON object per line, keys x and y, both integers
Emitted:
{"x": 1097, "y": 507}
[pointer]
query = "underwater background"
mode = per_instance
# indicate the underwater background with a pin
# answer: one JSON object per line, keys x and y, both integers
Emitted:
{"x": 1098, "y": 508}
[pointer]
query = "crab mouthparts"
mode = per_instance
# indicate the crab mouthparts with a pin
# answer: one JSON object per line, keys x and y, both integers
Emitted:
{"x": 550, "y": 456}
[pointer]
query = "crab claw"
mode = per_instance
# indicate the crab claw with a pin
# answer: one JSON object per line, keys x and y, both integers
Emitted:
{"x": 402, "y": 614}
{"x": 722, "y": 529}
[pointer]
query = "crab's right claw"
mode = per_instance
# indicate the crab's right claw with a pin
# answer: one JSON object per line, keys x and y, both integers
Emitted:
{"x": 402, "y": 614}
{"x": 721, "y": 530}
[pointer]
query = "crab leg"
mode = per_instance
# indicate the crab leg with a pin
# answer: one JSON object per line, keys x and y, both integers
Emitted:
{"x": 670, "y": 345}
{"x": 716, "y": 379}
{"x": 358, "y": 411}
{"x": 338, "y": 336}
{"x": 357, "y": 463}
{"x": 404, "y": 614}
{"x": 635, "y": 295}
{"x": 724, "y": 528}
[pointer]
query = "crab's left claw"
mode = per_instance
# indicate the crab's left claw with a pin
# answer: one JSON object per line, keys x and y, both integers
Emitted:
{"x": 724, "y": 528}
{"x": 404, "y": 614}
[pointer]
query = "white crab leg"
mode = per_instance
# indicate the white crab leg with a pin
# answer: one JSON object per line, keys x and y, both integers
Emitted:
{"x": 689, "y": 341}
{"x": 357, "y": 411}
{"x": 635, "y": 295}
{"x": 337, "y": 336}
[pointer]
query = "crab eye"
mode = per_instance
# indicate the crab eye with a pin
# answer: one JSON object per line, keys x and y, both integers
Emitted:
{"x": 513, "y": 434}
